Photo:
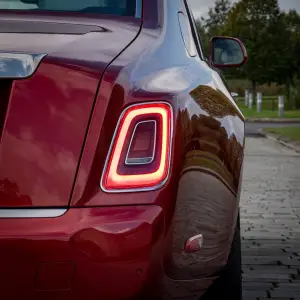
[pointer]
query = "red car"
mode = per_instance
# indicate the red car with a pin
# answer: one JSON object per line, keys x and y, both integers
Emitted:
{"x": 121, "y": 153}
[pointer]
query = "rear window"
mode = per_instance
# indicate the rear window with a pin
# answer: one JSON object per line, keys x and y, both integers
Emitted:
{"x": 110, "y": 7}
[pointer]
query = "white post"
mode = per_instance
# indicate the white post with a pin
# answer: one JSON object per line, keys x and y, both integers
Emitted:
{"x": 259, "y": 102}
{"x": 280, "y": 106}
{"x": 246, "y": 97}
{"x": 250, "y": 100}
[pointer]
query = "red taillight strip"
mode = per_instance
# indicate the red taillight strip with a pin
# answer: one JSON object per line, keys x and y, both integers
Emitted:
{"x": 111, "y": 181}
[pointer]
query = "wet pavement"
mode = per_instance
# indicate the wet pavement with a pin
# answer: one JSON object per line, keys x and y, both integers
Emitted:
{"x": 270, "y": 221}
{"x": 252, "y": 128}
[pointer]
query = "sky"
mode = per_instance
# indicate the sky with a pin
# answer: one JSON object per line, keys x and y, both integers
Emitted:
{"x": 200, "y": 7}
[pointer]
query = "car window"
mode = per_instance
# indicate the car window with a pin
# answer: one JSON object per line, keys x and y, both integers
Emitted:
{"x": 111, "y": 7}
{"x": 194, "y": 31}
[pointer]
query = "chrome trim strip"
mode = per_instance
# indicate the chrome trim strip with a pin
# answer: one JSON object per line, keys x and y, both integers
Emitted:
{"x": 32, "y": 213}
{"x": 146, "y": 189}
{"x": 15, "y": 65}
{"x": 141, "y": 160}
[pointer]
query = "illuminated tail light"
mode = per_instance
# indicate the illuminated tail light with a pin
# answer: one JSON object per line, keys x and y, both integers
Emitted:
{"x": 139, "y": 156}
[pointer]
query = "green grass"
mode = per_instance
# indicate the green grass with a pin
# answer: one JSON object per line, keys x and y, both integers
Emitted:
{"x": 268, "y": 102}
{"x": 292, "y": 133}
{"x": 270, "y": 98}
{"x": 239, "y": 86}
{"x": 268, "y": 113}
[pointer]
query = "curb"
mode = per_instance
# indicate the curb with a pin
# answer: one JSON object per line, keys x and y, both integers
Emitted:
{"x": 277, "y": 138}
{"x": 272, "y": 120}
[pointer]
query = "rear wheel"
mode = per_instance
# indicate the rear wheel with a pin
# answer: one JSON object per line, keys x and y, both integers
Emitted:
{"x": 229, "y": 284}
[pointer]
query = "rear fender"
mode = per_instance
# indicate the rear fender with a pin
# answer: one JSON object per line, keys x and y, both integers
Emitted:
{"x": 211, "y": 148}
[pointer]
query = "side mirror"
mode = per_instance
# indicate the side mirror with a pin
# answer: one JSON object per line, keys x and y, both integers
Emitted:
{"x": 227, "y": 52}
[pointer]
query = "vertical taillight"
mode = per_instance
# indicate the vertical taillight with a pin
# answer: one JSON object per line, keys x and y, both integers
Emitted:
{"x": 139, "y": 156}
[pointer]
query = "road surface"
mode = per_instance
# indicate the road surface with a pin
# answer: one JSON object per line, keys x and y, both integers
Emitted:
{"x": 270, "y": 221}
{"x": 252, "y": 128}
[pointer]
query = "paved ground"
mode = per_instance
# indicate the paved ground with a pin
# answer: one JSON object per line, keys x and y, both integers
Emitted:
{"x": 270, "y": 217}
{"x": 252, "y": 128}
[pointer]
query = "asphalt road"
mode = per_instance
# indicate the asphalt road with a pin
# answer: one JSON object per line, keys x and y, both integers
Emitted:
{"x": 270, "y": 221}
{"x": 252, "y": 128}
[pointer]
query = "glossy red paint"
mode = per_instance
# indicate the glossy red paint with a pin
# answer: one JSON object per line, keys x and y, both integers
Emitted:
{"x": 43, "y": 135}
{"x": 49, "y": 113}
{"x": 56, "y": 139}
{"x": 82, "y": 254}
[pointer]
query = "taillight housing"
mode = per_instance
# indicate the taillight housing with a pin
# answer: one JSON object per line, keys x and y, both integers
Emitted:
{"x": 140, "y": 152}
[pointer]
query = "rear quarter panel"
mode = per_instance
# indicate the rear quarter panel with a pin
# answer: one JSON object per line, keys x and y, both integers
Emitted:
{"x": 211, "y": 144}
{"x": 202, "y": 192}
{"x": 48, "y": 113}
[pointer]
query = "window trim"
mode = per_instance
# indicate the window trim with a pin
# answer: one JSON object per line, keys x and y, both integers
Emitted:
{"x": 138, "y": 9}
{"x": 196, "y": 38}
{"x": 187, "y": 37}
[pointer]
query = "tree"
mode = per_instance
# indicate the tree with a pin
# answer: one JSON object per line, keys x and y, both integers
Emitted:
{"x": 255, "y": 22}
{"x": 291, "y": 69}
{"x": 217, "y": 17}
{"x": 204, "y": 37}
{"x": 272, "y": 39}
{"x": 283, "y": 62}
{"x": 284, "y": 57}
{"x": 214, "y": 23}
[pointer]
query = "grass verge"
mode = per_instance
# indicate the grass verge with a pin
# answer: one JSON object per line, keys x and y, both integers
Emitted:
{"x": 292, "y": 133}
{"x": 248, "y": 113}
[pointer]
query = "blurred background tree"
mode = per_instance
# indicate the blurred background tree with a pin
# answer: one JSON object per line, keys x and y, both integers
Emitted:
{"x": 272, "y": 39}
{"x": 217, "y": 18}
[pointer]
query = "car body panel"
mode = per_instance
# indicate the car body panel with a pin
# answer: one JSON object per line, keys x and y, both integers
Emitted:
{"x": 48, "y": 113}
{"x": 82, "y": 254}
{"x": 201, "y": 195}
{"x": 207, "y": 155}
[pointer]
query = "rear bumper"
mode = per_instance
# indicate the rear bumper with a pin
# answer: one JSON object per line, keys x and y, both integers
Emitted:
{"x": 88, "y": 253}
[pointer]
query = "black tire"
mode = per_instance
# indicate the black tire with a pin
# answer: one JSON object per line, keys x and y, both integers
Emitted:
{"x": 229, "y": 284}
